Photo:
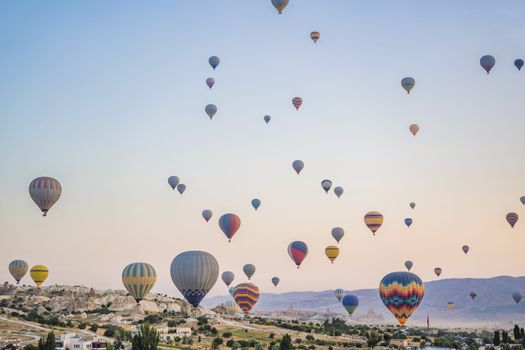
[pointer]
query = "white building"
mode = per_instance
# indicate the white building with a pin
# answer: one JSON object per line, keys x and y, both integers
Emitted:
{"x": 72, "y": 341}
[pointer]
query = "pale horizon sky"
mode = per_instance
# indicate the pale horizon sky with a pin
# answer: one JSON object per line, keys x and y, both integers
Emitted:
{"x": 108, "y": 97}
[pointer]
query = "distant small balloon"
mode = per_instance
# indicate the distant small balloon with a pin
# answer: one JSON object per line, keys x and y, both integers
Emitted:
{"x": 465, "y": 249}
{"x": 210, "y": 110}
{"x": 339, "y": 294}
{"x": 350, "y": 303}
{"x": 518, "y": 63}
{"x": 517, "y": 297}
{"x": 279, "y": 5}
{"x": 275, "y": 281}
{"x": 512, "y": 219}
{"x": 487, "y": 62}
{"x": 173, "y": 181}
{"x": 332, "y": 252}
{"x": 315, "y": 36}
{"x": 473, "y": 295}
{"x": 297, "y": 165}
{"x": 45, "y": 192}
{"x": 249, "y": 270}
{"x": 256, "y": 203}
{"x": 207, "y": 214}
{"x": 297, "y": 251}
{"x": 408, "y": 222}
{"x": 338, "y": 233}
{"x": 326, "y": 185}
{"x": 210, "y": 82}
{"x": 409, "y": 264}
{"x": 229, "y": 224}
{"x": 408, "y": 84}
{"x": 338, "y": 191}
{"x": 373, "y": 220}
{"x": 228, "y": 277}
{"x": 451, "y": 305}
{"x": 267, "y": 118}
{"x": 412, "y": 205}
{"x": 181, "y": 188}
{"x": 414, "y": 128}
{"x": 297, "y": 102}
{"x": 522, "y": 200}
{"x": 438, "y": 271}
{"x": 214, "y": 61}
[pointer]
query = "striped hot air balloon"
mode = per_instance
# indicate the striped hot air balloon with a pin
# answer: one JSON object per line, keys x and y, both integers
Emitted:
{"x": 39, "y": 274}
{"x": 401, "y": 292}
{"x": 512, "y": 219}
{"x": 18, "y": 269}
{"x": 339, "y": 293}
{"x": 246, "y": 296}
{"x": 350, "y": 303}
{"x": 373, "y": 220}
{"x": 331, "y": 252}
{"x": 45, "y": 192}
{"x": 139, "y": 278}
{"x": 279, "y": 5}
{"x": 297, "y": 102}
{"x": 297, "y": 250}
{"x": 229, "y": 224}
{"x": 315, "y": 36}
{"x": 408, "y": 84}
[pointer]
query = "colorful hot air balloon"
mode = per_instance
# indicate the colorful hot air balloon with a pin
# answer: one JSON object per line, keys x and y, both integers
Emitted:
{"x": 249, "y": 270}
{"x": 173, "y": 181}
{"x": 214, "y": 61}
{"x": 331, "y": 252}
{"x": 451, "y": 305}
{"x": 487, "y": 62}
{"x": 438, "y": 271}
{"x": 210, "y": 110}
{"x": 315, "y": 36}
{"x": 210, "y": 82}
{"x": 409, "y": 264}
{"x": 522, "y": 200}
{"x": 517, "y": 297}
{"x": 275, "y": 281}
{"x": 401, "y": 292}
{"x": 18, "y": 269}
{"x": 227, "y": 277}
{"x": 246, "y": 296}
{"x": 465, "y": 249}
{"x": 473, "y": 295}
{"x": 414, "y": 128}
{"x": 512, "y": 219}
{"x": 256, "y": 203}
{"x": 297, "y": 102}
{"x": 267, "y": 118}
{"x": 326, "y": 185}
{"x": 279, "y": 5}
{"x": 39, "y": 274}
{"x": 231, "y": 307}
{"x": 230, "y": 290}
{"x": 408, "y": 84}
{"x": 338, "y": 233}
{"x": 339, "y": 293}
{"x": 45, "y": 191}
{"x": 207, "y": 214}
{"x": 518, "y": 63}
{"x": 229, "y": 224}
{"x": 373, "y": 220}
{"x": 338, "y": 191}
{"x": 408, "y": 222}
{"x": 181, "y": 188}
{"x": 350, "y": 303}
{"x": 139, "y": 278}
{"x": 297, "y": 250}
{"x": 297, "y": 165}
{"x": 194, "y": 273}
{"x": 412, "y": 205}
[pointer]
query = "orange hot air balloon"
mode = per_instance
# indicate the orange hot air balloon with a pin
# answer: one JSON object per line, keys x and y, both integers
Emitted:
{"x": 414, "y": 128}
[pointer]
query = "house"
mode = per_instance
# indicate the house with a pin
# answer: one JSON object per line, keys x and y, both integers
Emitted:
{"x": 72, "y": 341}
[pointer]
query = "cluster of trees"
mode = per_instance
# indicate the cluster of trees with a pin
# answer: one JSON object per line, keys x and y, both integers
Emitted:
{"x": 147, "y": 339}
{"x": 503, "y": 337}
{"x": 47, "y": 343}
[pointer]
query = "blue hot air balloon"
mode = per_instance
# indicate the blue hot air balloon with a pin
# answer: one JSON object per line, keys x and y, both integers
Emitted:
{"x": 350, "y": 303}
{"x": 256, "y": 203}
{"x": 518, "y": 63}
{"x": 408, "y": 222}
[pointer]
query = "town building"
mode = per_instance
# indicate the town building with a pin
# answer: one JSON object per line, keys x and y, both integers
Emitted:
{"x": 72, "y": 341}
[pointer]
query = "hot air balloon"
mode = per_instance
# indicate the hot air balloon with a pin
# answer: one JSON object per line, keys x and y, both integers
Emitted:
{"x": 249, "y": 270}
{"x": 517, "y": 297}
{"x": 414, "y": 128}
{"x": 408, "y": 84}
{"x": 229, "y": 224}
{"x": 438, "y": 271}
{"x": 326, "y": 185}
{"x": 522, "y": 200}
{"x": 512, "y": 219}
{"x": 39, "y": 274}
{"x": 173, "y": 181}
{"x": 473, "y": 295}
{"x": 338, "y": 233}
{"x": 18, "y": 269}
{"x": 230, "y": 290}
{"x": 451, "y": 305}
{"x": 214, "y": 61}
{"x": 45, "y": 191}
{"x": 487, "y": 62}
{"x": 139, "y": 278}
{"x": 256, "y": 203}
{"x": 339, "y": 293}
{"x": 194, "y": 273}
{"x": 412, "y": 205}
{"x": 207, "y": 214}
{"x": 297, "y": 165}
{"x": 227, "y": 277}
{"x": 297, "y": 102}
{"x": 275, "y": 281}
{"x": 315, "y": 36}
{"x": 267, "y": 118}
{"x": 230, "y": 307}
{"x": 409, "y": 264}
{"x": 331, "y": 252}
{"x": 465, "y": 249}
{"x": 408, "y": 222}
{"x": 350, "y": 303}
{"x": 373, "y": 220}
{"x": 518, "y": 63}
{"x": 401, "y": 292}
{"x": 338, "y": 191}
{"x": 246, "y": 296}
{"x": 210, "y": 82}
{"x": 297, "y": 250}
{"x": 181, "y": 188}
{"x": 210, "y": 110}
{"x": 279, "y": 5}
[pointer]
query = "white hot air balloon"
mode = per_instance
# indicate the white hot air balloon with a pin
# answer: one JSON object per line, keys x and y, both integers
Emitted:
{"x": 45, "y": 191}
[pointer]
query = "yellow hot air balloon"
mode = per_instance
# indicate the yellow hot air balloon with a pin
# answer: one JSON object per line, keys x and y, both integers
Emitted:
{"x": 332, "y": 252}
{"x": 139, "y": 278}
{"x": 373, "y": 220}
{"x": 39, "y": 274}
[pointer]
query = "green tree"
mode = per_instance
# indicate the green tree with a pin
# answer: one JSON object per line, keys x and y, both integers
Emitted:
{"x": 147, "y": 339}
{"x": 286, "y": 342}
{"x": 372, "y": 339}
{"x": 517, "y": 333}
{"x": 216, "y": 342}
{"x": 48, "y": 343}
{"x": 496, "y": 340}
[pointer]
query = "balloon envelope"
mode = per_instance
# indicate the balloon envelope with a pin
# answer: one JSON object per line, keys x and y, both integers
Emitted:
{"x": 18, "y": 269}
{"x": 139, "y": 278}
{"x": 401, "y": 292}
{"x": 338, "y": 233}
{"x": 45, "y": 192}
{"x": 173, "y": 181}
{"x": 194, "y": 273}
{"x": 227, "y": 277}
{"x": 339, "y": 293}
{"x": 249, "y": 270}
{"x": 279, "y": 5}
{"x": 517, "y": 297}
{"x": 522, "y": 200}
{"x": 350, "y": 303}
{"x": 473, "y": 295}
{"x": 214, "y": 61}
{"x": 181, "y": 188}
{"x": 373, "y": 220}
{"x": 451, "y": 305}
{"x": 246, "y": 296}
{"x": 297, "y": 251}
{"x": 414, "y": 128}
{"x": 297, "y": 102}
{"x": 210, "y": 82}
{"x": 315, "y": 36}
{"x": 338, "y": 191}
{"x": 518, "y": 63}
{"x": 207, "y": 214}
{"x": 256, "y": 203}
{"x": 331, "y": 252}
{"x": 267, "y": 118}
{"x": 512, "y": 219}
{"x": 275, "y": 281}
{"x": 487, "y": 62}
{"x": 412, "y": 205}
{"x": 465, "y": 249}
{"x": 409, "y": 264}
{"x": 326, "y": 185}
{"x": 438, "y": 271}
{"x": 39, "y": 274}
{"x": 408, "y": 222}
{"x": 297, "y": 165}
{"x": 408, "y": 84}
{"x": 229, "y": 224}
{"x": 210, "y": 110}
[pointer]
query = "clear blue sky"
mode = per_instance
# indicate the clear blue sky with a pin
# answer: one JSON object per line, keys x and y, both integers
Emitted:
{"x": 108, "y": 97}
